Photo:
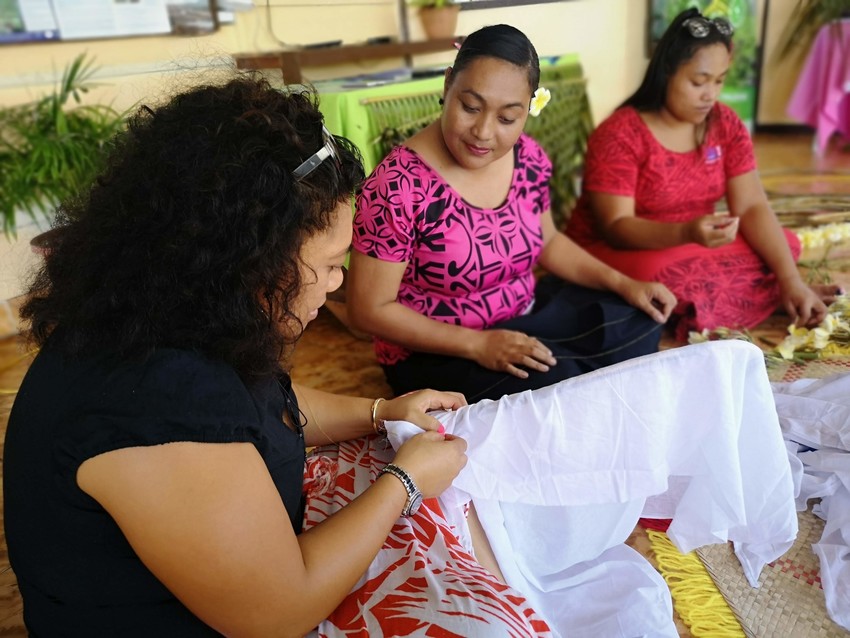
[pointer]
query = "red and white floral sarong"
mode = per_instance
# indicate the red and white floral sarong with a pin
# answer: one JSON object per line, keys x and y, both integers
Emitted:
{"x": 424, "y": 581}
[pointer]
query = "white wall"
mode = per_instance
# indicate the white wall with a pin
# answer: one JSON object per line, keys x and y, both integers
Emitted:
{"x": 777, "y": 78}
{"x": 17, "y": 259}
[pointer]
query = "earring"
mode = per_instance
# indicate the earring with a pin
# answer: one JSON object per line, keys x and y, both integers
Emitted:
{"x": 441, "y": 101}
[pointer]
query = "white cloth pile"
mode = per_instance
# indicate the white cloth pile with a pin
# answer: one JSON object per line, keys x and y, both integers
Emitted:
{"x": 815, "y": 420}
{"x": 560, "y": 475}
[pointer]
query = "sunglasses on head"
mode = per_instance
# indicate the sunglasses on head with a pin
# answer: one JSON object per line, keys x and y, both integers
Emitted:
{"x": 314, "y": 161}
{"x": 700, "y": 26}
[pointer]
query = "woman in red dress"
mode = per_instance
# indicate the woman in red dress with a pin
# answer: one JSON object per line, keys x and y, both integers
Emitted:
{"x": 655, "y": 171}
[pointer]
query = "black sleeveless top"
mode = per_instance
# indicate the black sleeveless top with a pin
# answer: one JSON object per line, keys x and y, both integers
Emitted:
{"x": 77, "y": 574}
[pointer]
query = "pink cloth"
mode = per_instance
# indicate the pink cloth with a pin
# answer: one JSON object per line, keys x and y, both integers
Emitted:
{"x": 821, "y": 98}
{"x": 466, "y": 265}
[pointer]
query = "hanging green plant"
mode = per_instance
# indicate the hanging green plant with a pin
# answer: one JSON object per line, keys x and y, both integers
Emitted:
{"x": 806, "y": 20}
{"x": 52, "y": 148}
{"x": 436, "y": 4}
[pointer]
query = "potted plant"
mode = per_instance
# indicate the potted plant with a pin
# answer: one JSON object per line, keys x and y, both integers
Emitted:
{"x": 52, "y": 147}
{"x": 806, "y": 20}
{"x": 439, "y": 17}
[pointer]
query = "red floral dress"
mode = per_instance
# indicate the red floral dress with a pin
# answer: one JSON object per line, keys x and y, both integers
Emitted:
{"x": 424, "y": 581}
{"x": 727, "y": 286}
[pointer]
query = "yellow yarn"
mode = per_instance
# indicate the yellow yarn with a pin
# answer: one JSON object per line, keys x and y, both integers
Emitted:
{"x": 697, "y": 600}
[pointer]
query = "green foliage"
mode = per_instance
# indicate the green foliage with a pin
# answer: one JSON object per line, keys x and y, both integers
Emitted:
{"x": 50, "y": 150}
{"x": 738, "y": 12}
{"x": 431, "y": 4}
{"x": 743, "y": 69}
{"x": 805, "y": 22}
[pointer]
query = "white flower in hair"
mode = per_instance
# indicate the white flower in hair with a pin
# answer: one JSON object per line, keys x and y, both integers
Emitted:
{"x": 538, "y": 101}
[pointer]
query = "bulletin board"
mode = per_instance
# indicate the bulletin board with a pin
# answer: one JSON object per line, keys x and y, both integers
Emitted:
{"x": 62, "y": 20}
{"x": 491, "y": 4}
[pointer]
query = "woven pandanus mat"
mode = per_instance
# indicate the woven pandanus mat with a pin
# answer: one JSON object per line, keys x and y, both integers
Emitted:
{"x": 810, "y": 210}
{"x": 792, "y": 183}
{"x": 814, "y": 369}
{"x": 789, "y": 601}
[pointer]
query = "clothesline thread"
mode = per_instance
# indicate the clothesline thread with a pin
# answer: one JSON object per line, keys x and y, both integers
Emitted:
{"x": 578, "y": 357}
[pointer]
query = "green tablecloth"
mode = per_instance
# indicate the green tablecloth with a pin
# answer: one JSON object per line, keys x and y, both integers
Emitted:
{"x": 347, "y": 115}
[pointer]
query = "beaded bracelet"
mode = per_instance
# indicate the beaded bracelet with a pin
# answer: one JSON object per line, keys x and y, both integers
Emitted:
{"x": 376, "y": 425}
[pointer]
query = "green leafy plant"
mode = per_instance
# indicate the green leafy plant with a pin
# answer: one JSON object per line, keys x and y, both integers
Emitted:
{"x": 53, "y": 147}
{"x": 431, "y": 4}
{"x": 743, "y": 70}
{"x": 805, "y": 22}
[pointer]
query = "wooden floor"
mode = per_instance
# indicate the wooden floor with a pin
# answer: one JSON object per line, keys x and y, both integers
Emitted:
{"x": 331, "y": 358}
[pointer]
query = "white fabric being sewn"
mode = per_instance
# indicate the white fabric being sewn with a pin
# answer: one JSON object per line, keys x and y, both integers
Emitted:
{"x": 559, "y": 476}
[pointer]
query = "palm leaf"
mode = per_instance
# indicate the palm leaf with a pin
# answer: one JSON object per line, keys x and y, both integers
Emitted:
{"x": 806, "y": 20}
{"x": 52, "y": 148}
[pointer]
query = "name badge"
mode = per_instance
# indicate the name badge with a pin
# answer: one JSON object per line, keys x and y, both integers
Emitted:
{"x": 713, "y": 154}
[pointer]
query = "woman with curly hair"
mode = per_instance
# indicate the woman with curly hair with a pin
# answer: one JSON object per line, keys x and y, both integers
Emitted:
{"x": 154, "y": 471}
{"x": 156, "y": 481}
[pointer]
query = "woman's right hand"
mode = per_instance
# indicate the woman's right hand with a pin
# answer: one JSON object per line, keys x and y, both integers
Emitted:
{"x": 712, "y": 231}
{"x": 505, "y": 350}
{"x": 433, "y": 460}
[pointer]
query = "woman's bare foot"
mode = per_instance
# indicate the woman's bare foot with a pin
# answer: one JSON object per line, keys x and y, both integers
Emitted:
{"x": 827, "y": 292}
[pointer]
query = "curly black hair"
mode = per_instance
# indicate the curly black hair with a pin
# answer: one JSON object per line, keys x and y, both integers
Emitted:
{"x": 191, "y": 237}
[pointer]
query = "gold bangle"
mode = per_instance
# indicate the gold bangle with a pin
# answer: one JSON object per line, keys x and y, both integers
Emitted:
{"x": 378, "y": 427}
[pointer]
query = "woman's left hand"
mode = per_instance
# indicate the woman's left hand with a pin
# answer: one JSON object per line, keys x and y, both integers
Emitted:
{"x": 653, "y": 297}
{"x": 413, "y": 407}
{"x": 802, "y": 303}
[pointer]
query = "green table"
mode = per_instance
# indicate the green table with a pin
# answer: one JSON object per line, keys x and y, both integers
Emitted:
{"x": 347, "y": 112}
{"x": 375, "y": 118}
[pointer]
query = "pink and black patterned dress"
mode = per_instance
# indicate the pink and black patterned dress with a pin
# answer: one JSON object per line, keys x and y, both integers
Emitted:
{"x": 466, "y": 265}
{"x": 473, "y": 267}
{"x": 727, "y": 286}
